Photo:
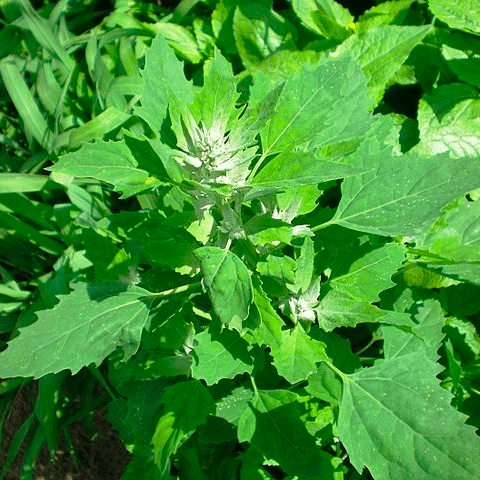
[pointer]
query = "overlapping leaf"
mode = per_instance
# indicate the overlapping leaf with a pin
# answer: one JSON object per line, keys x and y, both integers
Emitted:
{"x": 83, "y": 328}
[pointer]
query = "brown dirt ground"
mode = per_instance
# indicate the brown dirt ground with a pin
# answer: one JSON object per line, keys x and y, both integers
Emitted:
{"x": 101, "y": 458}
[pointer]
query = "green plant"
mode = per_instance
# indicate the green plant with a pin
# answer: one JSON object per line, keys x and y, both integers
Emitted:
{"x": 282, "y": 274}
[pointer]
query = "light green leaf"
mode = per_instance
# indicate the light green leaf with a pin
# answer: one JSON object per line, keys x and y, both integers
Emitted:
{"x": 320, "y": 105}
{"x": 415, "y": 432}
{"x": 381, "y": 52}
{"x": 33, "y": 120}
{"x": 338, "y": 309}
{"x": 457, "y": 15}
{"x": 281, "y": 269}
{"x": 281, "y": 435}
{"x": 163, "y": 77}
{"x": 294, "y": 168}
{"x": 228, "y": 283}
{"x": 110, "y": 162}
{"x": 456, "y": 235}
{"x": 187, "y": 405}
{"x": 214, "y": 104}
{"x": 363, "y": 276}
{"x": 296, "y": 355}
{"x": 96, "y": 128}
{"x": 401, "y": 196}
{"x": 386, "y": 13}
{"x": 83, "y": 328}
{"x": 306, "y": 9}
{"x": 448, "y": 120}
{"x": 21, "y": 182}
{"x": 259, "y": 31}
{"x": 427, "y": 333}
{"x": 220, "y": 355}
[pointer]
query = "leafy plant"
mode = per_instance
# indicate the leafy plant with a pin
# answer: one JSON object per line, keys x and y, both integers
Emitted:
{"x": 269, "y": 266}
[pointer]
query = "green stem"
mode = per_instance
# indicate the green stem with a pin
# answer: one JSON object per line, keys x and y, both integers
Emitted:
{"x": 323, "y": 225}
{"x": 173, "y": 291}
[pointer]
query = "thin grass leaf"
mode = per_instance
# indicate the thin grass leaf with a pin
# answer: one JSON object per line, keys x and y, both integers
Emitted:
{"x": 33, "y": 120}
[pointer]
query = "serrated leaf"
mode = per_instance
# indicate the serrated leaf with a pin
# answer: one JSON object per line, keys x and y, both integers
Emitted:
{"x": 110, "y": 162}
{"x": 297, "y": 354}
{"x": 218, "y": 355}
{"x": 162, "y": 77}
{"x": 294, "y": 168}
{"x": 320, "y": 105}
{"x": 426, "y": 336}
{"x": 83, "y": 328}
{"x": 364, "y": 275}
{"x": 228, "y": 283}
{"x": 456, "y": 235}
{"x": 381, "y": 51}
{"x": 338, "y": 309}
{"x": 461, "y": 16}
{"x": 186, "y": 406}
{"x": 401, "y": 196}
{"x": 415, "y": 433}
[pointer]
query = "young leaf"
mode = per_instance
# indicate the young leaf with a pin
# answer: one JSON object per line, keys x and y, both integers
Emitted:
{"x": 83, "y": 328}
{"x": 163, "y": 78}
{"x": 415, "y": 432}
{"x": 228, "y": 283}
{"x": 109, "y": 162}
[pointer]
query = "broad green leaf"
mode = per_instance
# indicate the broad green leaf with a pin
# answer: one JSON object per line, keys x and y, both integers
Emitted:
{"x": 339, "y": 309}
{"x": 363, "y": 276}
{"x": 415, "y": 432}
{"x": 83, "y": 328}
{"x": 297, "y": 354}
{"x": 281, "y": 435}
{"x": 281, "y": 269}
{"x": 218, "y": 355}
{"x": 306, "y": 10}
{"x": 320, "y": 105}
{"x": 381, "y": 52}
{"x": 21, "y": 182}
{"x": 228, "y": 283}
{"x": 464, "y": 65}
{"x": 401, "y": 196}
{"x": 456, "y": 235}
{"x": 457, "y": 15}
{"x": 110, "y": 162}
{"x": 186, "y": 406}
{"x": 427, "y": 333}
{"x": 180, "y": 39}
{"x": 214, "y": 104}
{"x": 293, "y": 169}
{"x": 448, "y": 121}
{"x": 386, "y": 13}
{"x": 259, "y": 31}
{"x": 163, "y": 77}
{"x": 135, "y": 414}
{"x": 232, "y": 406}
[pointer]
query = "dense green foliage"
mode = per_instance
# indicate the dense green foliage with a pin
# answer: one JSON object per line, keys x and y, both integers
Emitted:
{"x": 256, "y": 226}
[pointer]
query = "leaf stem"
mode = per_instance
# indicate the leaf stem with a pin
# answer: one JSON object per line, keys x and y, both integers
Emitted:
{"x": 323, "y": 225}
{"x": 180, "y": 289}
